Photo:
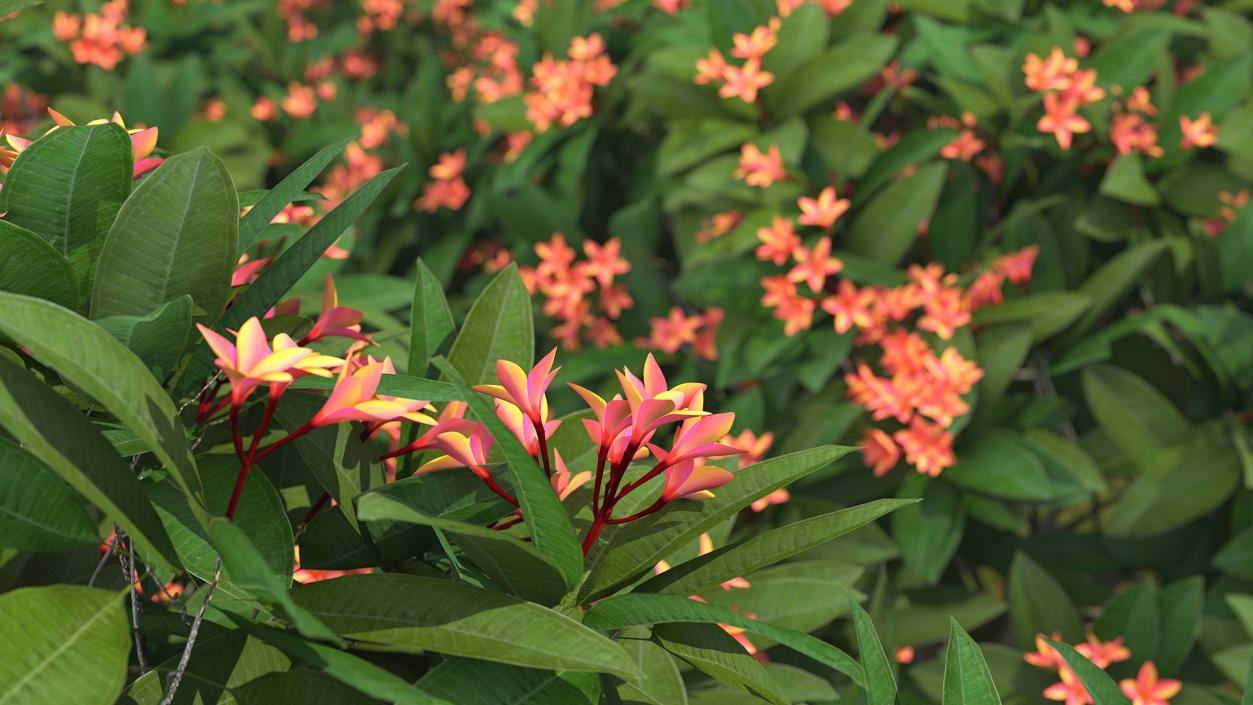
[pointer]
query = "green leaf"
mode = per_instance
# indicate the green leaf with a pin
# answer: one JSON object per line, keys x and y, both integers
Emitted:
{"x": 1138, "y": 419}
{"x": 967, "y": 680}
{"x": 177, "y": 234}
{"x": 801, "y": 37}
{"x": 31, "y": 266}
{"x": 1068, "y": 458}
{"x": 68, "y": 185}
{"x": 93, "y": 361}
{"x": 62, "y": 644}
{"x": 804, "y": 595}
{"x": 1001, "y": 352}
{"x": 498, "y": 327}
{"x": 1129, "y": 61}
{"x": 888, "y": 226}
{"x": 250, "y": 572}
{"x": 516, "y": 566}
{"x": 636, "y": 547}
{"x": 999, "y": 463}
{"x": 52, "y": 430}
{"x": 880, "y": 685}
{"x": 733, "y": 560}
{"x": 289, "y": 189}
{"x": 1047, "y": 313}
{"x": 1038, "y": 604}
{"x": 395, "y": 612}
{"x": 158, "y": 338}
{"x": 714, "y": 652}
{"x": 1111, "y": 282}
{"x": 660, "y": 682}
{"x": 1100, "y": 686}
{"x": 1236, "y": 557}
{"x": 260, "y": 516}
{"x": 641, "y": 609}
{"x": 218, "y": 667}
{"x": 37, "y": 511}
{"x": 1180, "y": 605}
{"x": 10, "y": 6}
{"x": 546, "y": 519}
{"x": 301, "y": 687}
{"x": 472, "y": 682}
{"x": 1124, "y": 180}
{"x": 840, "y": 68}
{"x": 284, "y": 272}
{"x": 1182, "y": 484}
{"x": 948, "y": 51}
{"x": 430, "y": 320}
{"x": 929, "y": 531}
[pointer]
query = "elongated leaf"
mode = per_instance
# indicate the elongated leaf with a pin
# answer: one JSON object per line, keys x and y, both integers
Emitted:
{"x": 1046, "y": 313}
{"x": 713, "y": 651}
{"x": 219, "y": 666}
{"x": 1038, "y": 604}
{"x": 394, "y": 385}
{"x": 62, "y": 644}
{"x": 967, "y": 680}
{"x": 734, "y": 560}
{"x": 1180, "y": 605}
{"x": 177, "y": 234}
{"x": 1100, "y": 686}
{"x": 301, "y": 687}
{"x": 888, "y": 226}
{"x": 289, "y": 189}
{"x": 1139, "y": 420}
{"x": 660, "y": 682}
{"x": 250, "y": 572}
{"x": 1236, "y": 557}
{"x": 637, "y": 610}
{"x": 341, "y": 665}
{"x": 636, "y": 547}
{"x": 546, "y": 520}
{"x": 284, "y": 272}
{"x": 516, "y": 566}
{"x": 398, "y": 612}
{"x": 498, "y": 327}
{"x": 999, "y": 463}
{"x": 880, "y": 685}
{"x": 37, "y": 511}
{"x": 54, "y": 431}
{"x": 838, "y": 69}
{"x": 472, "y": 682}
{"x": 31, "y": 266}
{"x": 158, "y": 338}
{"x": 92, "y": 360}
{"x": 929, "y": 532}
{"x": 68, "y": 186}
{"x": 1111, "y": 282}
{"x": 430, "y": 320}
{"x": 1182, "y": 484}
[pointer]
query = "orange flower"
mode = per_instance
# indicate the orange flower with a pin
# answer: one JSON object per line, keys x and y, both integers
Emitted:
{"x": 905, "y": 655}
{"x": 850, "y": 307}
{"x": 822, "y": 211}
{"x": 706, "y": 345}
{"x": 743, "y": 83}
{"x": 300, "y": 102}
{"x": 333, "y": 319}
{"x": 1045, "y": 656}
{"x": 604, "y": 262}
{"x": 1131, "y": 133}
{"x": 1016, "y": 266}
{"x": 1103, "y": 653}
{"x": 355, "y": 398}
{"x": 250, "y": 362}
{"x": 779, "y": 496}
{"x": 778, "y": 242}
{"x": 672, "y": 332}
{"x": 1069, "y": 690}
{"x": 964, "y": 147}
{"x": 710, "y": 69}
{"x": 946, "y": 310}
{"x": 814, "y": 265}
{"x": 760, "y": 169}
{"x": 525, "y": 390}
{"x": 1061, "y": 120}
{"x": 879, "y": 452}
{"x": 1197, "y": 133}
{"x": 928, "y": 447}
{"x": 1147, "y": 689}
{"x": 752, "y": 447}
{"x": 755, "y": 45}
{"x": 1049, "y": 74}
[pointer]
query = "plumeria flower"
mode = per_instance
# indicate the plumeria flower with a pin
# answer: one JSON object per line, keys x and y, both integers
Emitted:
{"x": 822, "y": 211}
{"x": 143, "y": 141}
{"x": 335, "y": 320}
{"x": 850, "y": 306}
{"x": 522, "y": 428}
{"x": 564, "y": 484}
{"x": 354, "y": 398}
{"x": 779, "y": 242}
{"x": 760, "y": 169}
{"x": 250, "y": 362}
{"x": 526, "y": 391}
{"x": 779, "y": 496}
{"x": 814, "y": 265}
{"x": 711, "y": 69}
{"x": 755, "y": 45}
{"x": 452, "y": 418}
{"x": 1061, "y": 120}
{"x": 1197, "y": 133}
{"x": 1147, "y": 689}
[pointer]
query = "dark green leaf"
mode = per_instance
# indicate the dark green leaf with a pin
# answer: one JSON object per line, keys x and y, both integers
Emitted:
{"x": 1038, "y": 604}
{"x": 301, "y": 687}
{"x": 999, "y": 463}
{"x": 713, "y": 651}
{"x": 1181, "y": 484}
{"x": 472, "y": 682}
{"x": 430, "y": 320}
{"x": 1138, "y": 419}
{"x": 1100, "y": 686}
{"x": 1236, "y": 557}
{"x": 888, "y": 226}
{"x": 37, "y": 511}
{"x": 158, "y": 338}
{"x": 289, "y": 189}
{"x": 1124, "y": 180}
{"x": 1046, "y": 313}
{"x": 929, "y": 531}
{"x": 1111, "y": 282}
{"x": 880, "y": 685}
{"x": 219, "y": 666}
{"x": 31, "y": 266}
{"x": 838, "y": 69}
{"x": 1180, "y": 606}
{"x": 967, "y": 680}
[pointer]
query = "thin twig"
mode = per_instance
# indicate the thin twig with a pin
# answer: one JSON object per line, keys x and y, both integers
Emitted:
{"x": 177, "y": 676}
{"x": 103, "y": 559}
{"x": 126, "y": 556}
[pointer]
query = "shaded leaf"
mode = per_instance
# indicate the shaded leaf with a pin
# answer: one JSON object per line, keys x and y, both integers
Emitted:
{"x": 888, "y": 226}
{"x": 713, "y": 651}
{"x": 430, "y": 320}
{"x": 37, "y": 511}
{"x": 158, "y": 338}
{"x": 289, "y": 189}
{"x": 1038, "y": 604}
{"x": 31, "y": 266}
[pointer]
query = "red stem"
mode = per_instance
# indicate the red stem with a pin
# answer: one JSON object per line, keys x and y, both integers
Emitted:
{"x": 235, "y": 437}
{"x": 242, "y": 477}
{"x": 657, "y": 469}
{"x": 601, "y": 456}
{"x": 543, "y": 446}
{"x": 491, "y": 484}
{"x": 592, "y": 533}
{"x": 284, "y": 441}
{"x": 317, "y": 506}
{"x": 655, "y": 506}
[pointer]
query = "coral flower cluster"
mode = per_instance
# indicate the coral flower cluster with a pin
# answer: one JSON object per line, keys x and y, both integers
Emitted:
{"x": 562, "y": 90}
{"x": 581, "y": 293}
{"x": 747, "y": 79}
{"x": 102, "y": 39}
{"x": 1066, "y": 88}
{"x": 447, "y": 188}
{"x": 1130, "y": 130}
{"x": 1145, "y": 689}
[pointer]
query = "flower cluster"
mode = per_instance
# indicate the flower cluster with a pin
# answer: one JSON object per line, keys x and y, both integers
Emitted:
{"x": 562, "y": 90}
{"x": 102, "y": 39}
{"x": 143, "y": 143}
{"x": 831, "y": 7}
{"x": 760, "y": 169}
{"x": 20, "y": 109}
{"x": 1231, "y": 205}
{"x": 1066, "y": 89}
{"x": 581, "y": 294}
{"x": 492, "y": 71}
{"x": 1129, "y": 130}
{"x": 678, "y": 329}
{"x": 746, "y": 80}
{"x": 1145, "y": 689}
{"x": 447, "y": 189}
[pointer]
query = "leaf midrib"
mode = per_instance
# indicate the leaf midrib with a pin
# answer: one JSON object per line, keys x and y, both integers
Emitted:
{"x": 57, "y": 652}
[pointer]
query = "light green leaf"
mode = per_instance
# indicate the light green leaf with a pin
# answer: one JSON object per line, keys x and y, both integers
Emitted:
{"x": 1182, "y": 484}
{"x": 289, "y": 189}
{"x": 888, "y": 226}
{"x": 1046, "y": 313}
{"x": 734, "y": 560}
{"x": 641, "y": 609}
{"x": 31, "y": 266}
{"x": 1129, "y": 61}
{"x": 1038, "y": 604}
{"x": 1124, "y": 180}
{"x": 967, "y": 680}
{"x": 1137, "y": 418}
{"x": 430, "y": 320}
{"x": 62, "y": 644}
{"x": 37, "y": 511}
{"x": 714, "y": 652}
{"x": 68, "y": 185}
{"x": 840, "y": 68}
{"x": 880, "y": 685}
{"x": 999, "y": 463}
{"x": 1100, "y": 686}
{"x": 177, "y": 234}
{"x": 498, "y": 327}
{"x": 660, "y": 682}
{"x": 158, "y": 338}
{"x": 802, "y": 36}
{"x": 546, "y": 519}
{"x": 472, "y": 682}
{"x": 395, "y": 612}
{"x": 93, "y": 361}
{"x": 219, "y": 666}
{"x": 629, "y": 551}
{"x": 1001, "y": 352}
{"x": 52, "y": 430}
